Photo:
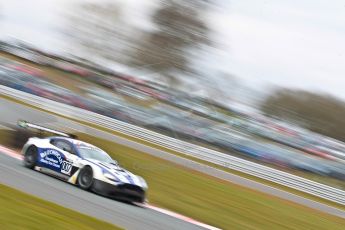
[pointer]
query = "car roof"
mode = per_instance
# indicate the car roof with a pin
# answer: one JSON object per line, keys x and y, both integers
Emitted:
{"x": 74, "y": 141}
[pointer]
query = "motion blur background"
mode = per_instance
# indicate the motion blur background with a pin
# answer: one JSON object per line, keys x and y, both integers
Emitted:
{"x": 263, "y": 81}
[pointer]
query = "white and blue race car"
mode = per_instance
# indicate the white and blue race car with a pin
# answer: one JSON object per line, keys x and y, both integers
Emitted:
{"x": 81, "y": 164}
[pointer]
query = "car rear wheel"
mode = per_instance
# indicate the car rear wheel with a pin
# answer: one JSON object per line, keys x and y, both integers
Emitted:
{"x": 30, "y": 157}
{"x": 85, "y": 178}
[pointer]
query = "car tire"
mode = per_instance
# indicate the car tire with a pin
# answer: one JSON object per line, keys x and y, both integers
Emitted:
{"x": 30, "y": 157}
{"x": 85, "y": 178}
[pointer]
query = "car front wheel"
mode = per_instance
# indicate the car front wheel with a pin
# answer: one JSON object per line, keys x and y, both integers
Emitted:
{"x": 85, "y": 178}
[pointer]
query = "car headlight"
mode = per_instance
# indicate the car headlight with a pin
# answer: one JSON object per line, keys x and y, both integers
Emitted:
{"x": 110, "y": 177}
{"x": 143, "y": 182}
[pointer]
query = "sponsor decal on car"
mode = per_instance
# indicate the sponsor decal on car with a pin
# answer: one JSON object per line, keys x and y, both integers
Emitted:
{"x": 51, "y": 157}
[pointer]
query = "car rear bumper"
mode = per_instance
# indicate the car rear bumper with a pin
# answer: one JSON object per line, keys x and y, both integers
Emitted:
{"x": 124, "y": 192}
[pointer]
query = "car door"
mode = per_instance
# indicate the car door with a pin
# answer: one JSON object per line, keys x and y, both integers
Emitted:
{"x": 68, "y": 156}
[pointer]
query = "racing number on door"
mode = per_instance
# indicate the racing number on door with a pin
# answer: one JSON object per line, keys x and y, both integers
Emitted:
{"x": 66, "y": 167}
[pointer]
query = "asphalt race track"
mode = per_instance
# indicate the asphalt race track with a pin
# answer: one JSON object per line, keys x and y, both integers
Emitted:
{"x": 121, "y": 214}
{"x": 124, "y": 215}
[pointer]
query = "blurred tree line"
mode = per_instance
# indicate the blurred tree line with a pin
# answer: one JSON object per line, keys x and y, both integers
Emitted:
{"x": 99, "y": 30}
{"x": 179, "y": 32}
{"x": 317, "y": 112}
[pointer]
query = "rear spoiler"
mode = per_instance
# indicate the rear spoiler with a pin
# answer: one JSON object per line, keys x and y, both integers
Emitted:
{"x": 26, "y": 125}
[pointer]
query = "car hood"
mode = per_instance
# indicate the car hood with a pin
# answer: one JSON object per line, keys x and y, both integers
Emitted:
{"x": 121, "y": 175}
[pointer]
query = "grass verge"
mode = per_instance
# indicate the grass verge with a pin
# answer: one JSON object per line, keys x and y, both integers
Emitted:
{"x": 214, "y": 201}
{"x": 208, "y": 199}
{"x": 263, "y": 181}
{"x": 23, "y": 211}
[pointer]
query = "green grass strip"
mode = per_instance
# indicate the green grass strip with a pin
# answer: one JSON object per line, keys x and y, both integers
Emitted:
{"x": 263, "y": 181}
{"x": 215, "y": 202}
{"x": 22, "y": 211}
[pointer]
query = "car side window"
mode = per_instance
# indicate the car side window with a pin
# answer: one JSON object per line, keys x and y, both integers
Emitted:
{"x": 63, "y": 145}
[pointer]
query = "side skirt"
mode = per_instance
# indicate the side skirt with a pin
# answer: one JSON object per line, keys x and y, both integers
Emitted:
{"x": 52, "y": 173}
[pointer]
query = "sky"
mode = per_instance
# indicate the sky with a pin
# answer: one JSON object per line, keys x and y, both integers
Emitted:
{"x": 296, "y": 43}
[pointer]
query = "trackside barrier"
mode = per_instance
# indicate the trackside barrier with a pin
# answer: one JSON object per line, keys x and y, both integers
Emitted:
{"x": 231, "y": 162}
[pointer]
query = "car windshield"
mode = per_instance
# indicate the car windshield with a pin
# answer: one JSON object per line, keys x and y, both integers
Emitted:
{"x": 95, "y": 154}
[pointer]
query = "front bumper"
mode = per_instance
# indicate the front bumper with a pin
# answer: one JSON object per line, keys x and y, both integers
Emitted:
{"x": 124, "y": 192}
